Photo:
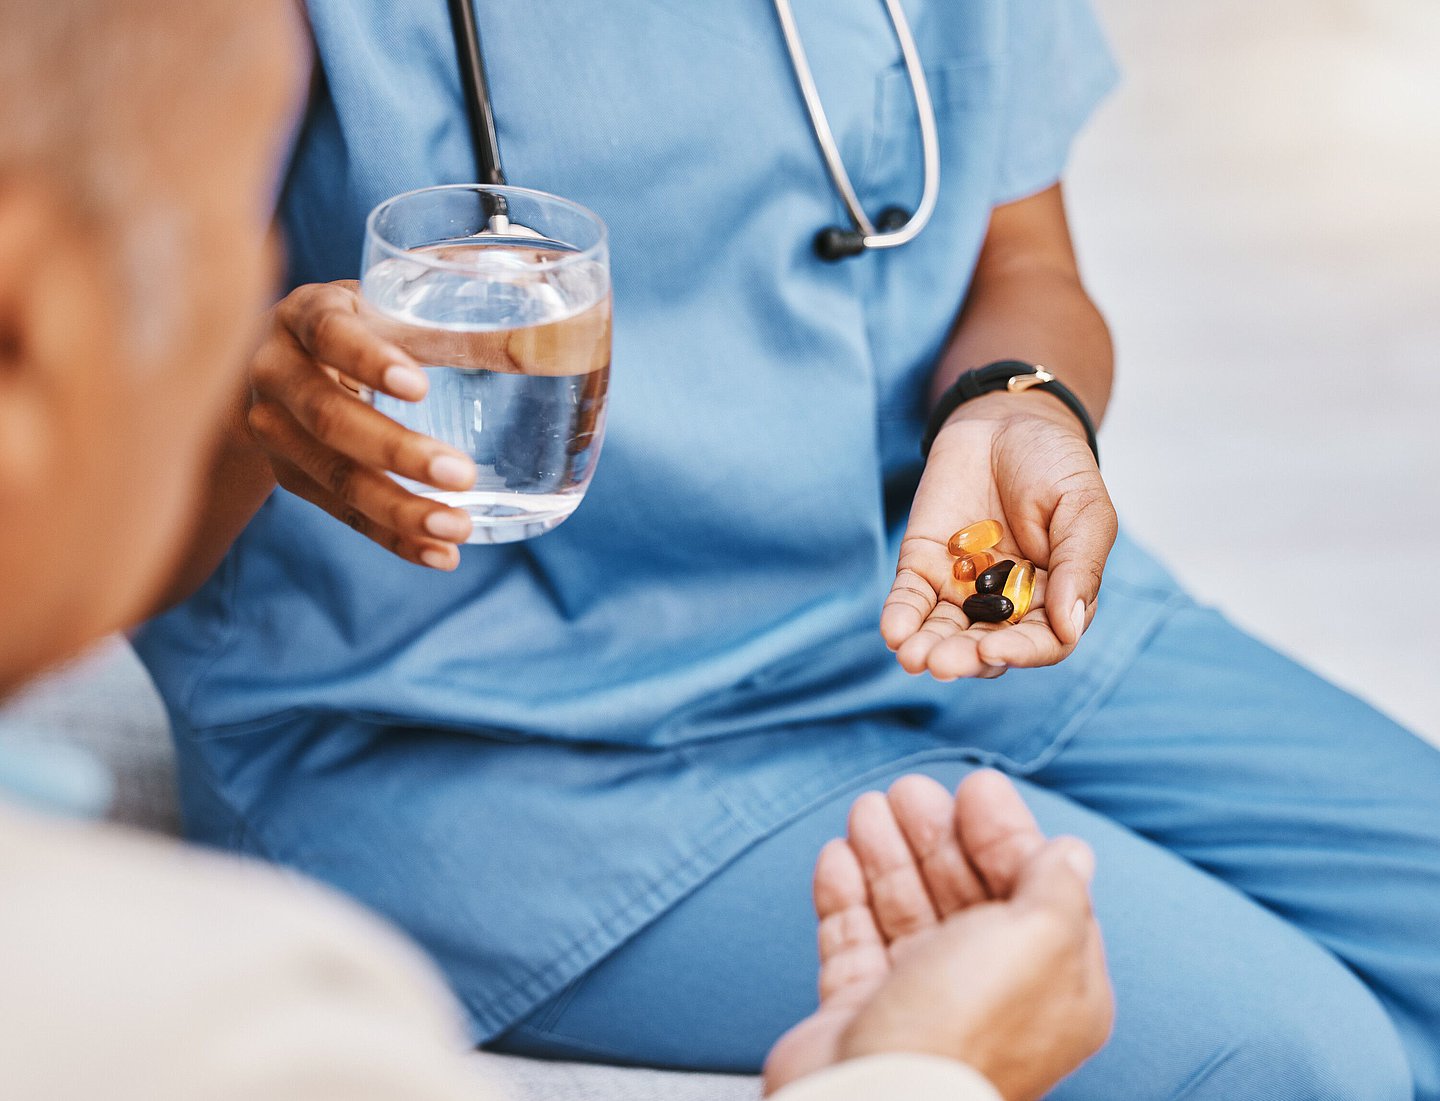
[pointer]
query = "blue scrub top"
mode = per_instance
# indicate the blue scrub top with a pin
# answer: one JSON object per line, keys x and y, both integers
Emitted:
{"x": 719, "y": 588}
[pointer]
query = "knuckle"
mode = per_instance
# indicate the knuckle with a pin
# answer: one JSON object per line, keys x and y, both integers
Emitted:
{"x": 355, "y": 519}
{"x": 401, "y": 453}
{"x": 339, "y": 476}
{"x": 1033, "y": 653}
{"x": 1085, "y": 495}
{"x": 263, "y": 366}
{"x": 327, "y": 414}
{"x": 1094, "y": 576}
{"x": 296, "y": 305}
{"x": 262, "y": 420}
{"x": 287, "y": 477}
{"x": 310, "y": 309}
{"x": 324, "y": 328}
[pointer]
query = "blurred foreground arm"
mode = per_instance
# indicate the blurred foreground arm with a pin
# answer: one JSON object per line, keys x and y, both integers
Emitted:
{"x": 136, "y": 970}
{"x": 959, "y": 959}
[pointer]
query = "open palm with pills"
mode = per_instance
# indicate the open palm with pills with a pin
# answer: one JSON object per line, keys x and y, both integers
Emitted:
{"x": 1030, "y": 468}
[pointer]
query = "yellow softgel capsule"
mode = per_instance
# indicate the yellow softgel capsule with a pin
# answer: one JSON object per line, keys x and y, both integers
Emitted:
{"x": 977, "y": 537}
{"x": 1020, "y": 588}
{"x": 970, "y": 567}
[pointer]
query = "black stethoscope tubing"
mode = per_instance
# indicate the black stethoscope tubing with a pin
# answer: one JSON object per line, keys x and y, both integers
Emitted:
{"x": 477, "y": 92}
{"x": 895, "y": 226}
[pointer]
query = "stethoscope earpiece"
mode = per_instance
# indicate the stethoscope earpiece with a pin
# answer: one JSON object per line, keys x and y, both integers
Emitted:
{"x": 893, "y": 219}
{"x": 837, "y": 243}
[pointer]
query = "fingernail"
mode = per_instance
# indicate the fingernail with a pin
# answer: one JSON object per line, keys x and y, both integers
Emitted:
{"x": 448, "y": 525}
{"x": 451, "y": 470}
{"x": 403, "y": 381}
{"x": 1077, "y": 617}
{"x": 1081, "y": 860}
{"x": 435, "y": 559}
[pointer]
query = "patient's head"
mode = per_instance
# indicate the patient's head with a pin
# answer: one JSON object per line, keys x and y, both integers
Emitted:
{"x": 139, "y": 150}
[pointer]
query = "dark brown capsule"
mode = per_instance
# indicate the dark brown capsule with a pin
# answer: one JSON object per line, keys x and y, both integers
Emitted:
{"x": 993, "y": 579}
{"x": 988, "y": 608}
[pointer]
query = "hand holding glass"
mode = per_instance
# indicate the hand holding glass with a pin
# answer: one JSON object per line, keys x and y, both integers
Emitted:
{"x": 503, "y": 296}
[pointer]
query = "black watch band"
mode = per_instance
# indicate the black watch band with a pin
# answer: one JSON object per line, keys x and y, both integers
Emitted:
{"x": 1011, "y": 375}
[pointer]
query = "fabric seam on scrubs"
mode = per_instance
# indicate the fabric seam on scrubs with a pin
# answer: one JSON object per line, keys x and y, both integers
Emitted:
{"x": 875, "y": 140}
{"x": 1205, "y": 1072}
{"x": 557, "y": 1007}
{"x": 241, "y": 837}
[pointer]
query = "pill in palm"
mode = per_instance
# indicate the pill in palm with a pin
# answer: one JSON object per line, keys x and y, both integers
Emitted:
{"x": 976, "y": 537}
{"x": 970, "y": 567}
{"x": 988, "y": 608}
{"x": 993, "y": 579}
{"x": 1019, "y": 589}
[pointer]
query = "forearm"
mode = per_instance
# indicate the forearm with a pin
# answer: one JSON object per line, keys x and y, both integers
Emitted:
{"x": 1027, "y": 302}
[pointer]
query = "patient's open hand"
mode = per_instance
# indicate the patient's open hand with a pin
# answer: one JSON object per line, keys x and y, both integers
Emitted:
{"x": 953, "y": 928}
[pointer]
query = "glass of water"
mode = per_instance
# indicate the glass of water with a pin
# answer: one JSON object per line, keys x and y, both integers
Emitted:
{"x": 502, "y": 295}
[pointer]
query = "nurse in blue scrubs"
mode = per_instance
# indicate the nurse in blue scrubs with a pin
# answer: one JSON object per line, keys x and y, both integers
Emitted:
{"x": 590, "y": 772}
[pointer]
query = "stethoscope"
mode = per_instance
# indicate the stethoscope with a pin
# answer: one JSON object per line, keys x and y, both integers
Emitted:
{"x": 893, "y": 227}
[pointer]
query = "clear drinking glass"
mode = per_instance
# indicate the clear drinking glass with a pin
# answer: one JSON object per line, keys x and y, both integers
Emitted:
{"x": 502, "y": 295}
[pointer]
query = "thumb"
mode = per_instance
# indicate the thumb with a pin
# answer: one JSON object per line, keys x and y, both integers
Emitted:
{"x": 1058, "y": 879}
{"x": 1082, "y": 531}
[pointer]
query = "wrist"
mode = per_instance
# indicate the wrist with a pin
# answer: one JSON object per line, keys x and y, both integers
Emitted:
{"x": 1003, "y": 406}
{"x": 1011, "y": 379}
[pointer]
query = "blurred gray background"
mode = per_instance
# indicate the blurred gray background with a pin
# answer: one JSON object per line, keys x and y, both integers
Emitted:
{"x": 1258, "y": 212}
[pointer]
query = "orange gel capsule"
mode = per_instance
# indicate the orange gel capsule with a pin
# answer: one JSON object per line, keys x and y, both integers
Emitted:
{"x": 970, "y": 567}
{"x": 977, "y": 537}
{"x": 1020, "y": 588}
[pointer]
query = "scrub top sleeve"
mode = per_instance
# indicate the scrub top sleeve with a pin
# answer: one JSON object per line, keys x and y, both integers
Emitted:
{"x": 1058, "y": 68}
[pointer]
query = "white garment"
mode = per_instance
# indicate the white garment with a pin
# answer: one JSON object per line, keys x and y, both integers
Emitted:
{"x": 134, "y": 969}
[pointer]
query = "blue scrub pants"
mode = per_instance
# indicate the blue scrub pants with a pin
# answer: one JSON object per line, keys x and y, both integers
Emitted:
{"x": 1269, "y": 887}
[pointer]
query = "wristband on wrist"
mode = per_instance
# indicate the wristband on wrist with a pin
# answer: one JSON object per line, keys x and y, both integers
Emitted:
{"x": 1011, "y": 375}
